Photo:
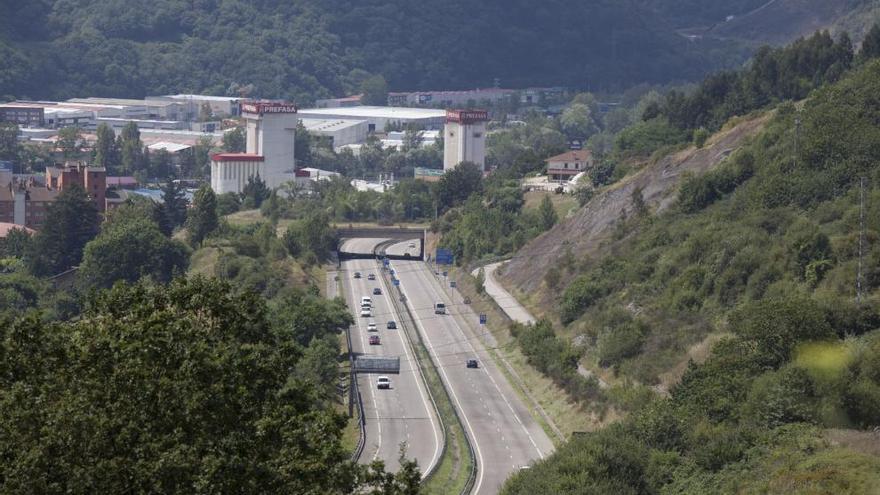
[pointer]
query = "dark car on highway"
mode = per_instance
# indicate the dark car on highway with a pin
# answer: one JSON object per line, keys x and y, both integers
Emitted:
{"x": 392, "y": 325}
{"x": 377, "y": 291}
{"x": 472, "y": 363}
{"x": 357, "y": 274}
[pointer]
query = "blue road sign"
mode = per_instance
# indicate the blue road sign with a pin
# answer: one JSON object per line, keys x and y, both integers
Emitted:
{"x": 452, "y": 283}
{"x": 445, "y": 273}
{"x": 483, "y": 319}
{"x": 396, "y": 281}
{"x": 386, "y": 262}
{"x": 391, "y": 271}
{"x": 444, "y": 257}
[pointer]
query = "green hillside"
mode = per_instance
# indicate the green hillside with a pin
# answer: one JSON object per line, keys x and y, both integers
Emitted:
{"x": 763, "y": 252}
{"x": 304, "y": 49}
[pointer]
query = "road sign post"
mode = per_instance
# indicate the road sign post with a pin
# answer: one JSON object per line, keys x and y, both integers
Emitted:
{"x": 483, "y": 319}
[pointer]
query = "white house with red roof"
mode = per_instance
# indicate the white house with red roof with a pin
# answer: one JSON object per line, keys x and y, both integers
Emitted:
{"x": 564, "y": 167}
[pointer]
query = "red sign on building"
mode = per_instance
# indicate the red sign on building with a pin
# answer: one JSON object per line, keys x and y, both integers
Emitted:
{"x": 262, "y": 108}
{"x": 467, "y": 116}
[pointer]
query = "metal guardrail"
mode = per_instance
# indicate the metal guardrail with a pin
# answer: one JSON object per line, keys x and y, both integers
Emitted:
{"x": 469, "y": 484}
{"x": 354, "y": 393}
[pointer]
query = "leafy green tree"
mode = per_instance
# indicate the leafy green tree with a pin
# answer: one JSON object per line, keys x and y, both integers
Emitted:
{"x": 9, "y": 145}
{"x": 73, "y": 222}
{"x": 160, "y": 162}
{"x": 174, "y": 203}
{"x": 192, "y": 372}
{"x": 234, "y": 140}
{"x": 412, "y": 137}
{"x": 228, "y": 203}
{"x": 375, "y": 91}
{"x": 458, "y": 184}
{"x": 871, "y": 43}
{"x": 578, "y": 122}
{"x": 70, "y": 141}
{"x": 133, "y": 158}
{"x": 480, "y": 281}
{"x": 303, "y": 146}
{"x": 202, "y": 219}
{"x": 17, "y": 243}
{"x": 106, "y": 151}
{"x": 127, "y": 251}
{"x": 254, "y": 192}
{"x": 547, "y": 213}
{"x": 778, "y": 325}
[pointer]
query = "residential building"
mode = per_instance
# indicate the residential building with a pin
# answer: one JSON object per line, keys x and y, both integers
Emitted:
{"x": 464, "y": 138}
{"x": 563, "y": 167}
{"x": 23, "y": 116}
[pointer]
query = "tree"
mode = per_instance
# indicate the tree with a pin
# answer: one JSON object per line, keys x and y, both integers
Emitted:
{"x": 17, "y": 243}
{"x": 412, "y": 137}
{"x": 202, "y": 157}
{"x": 72, "y": 221}
{"x": 578, "y": 122}
{"x": 302, "y": 146}
{"x": 127, "y": 251}
{"x": 480, "y": 281}
{"x": 70, "y": 141}
{"x": 174, "y": 203}
{"x": 161, "y": 164}
{"x": 202, "y": 219}
{"x": 254, "y": 192}
{"x": 192, "y": 372}
{"x": 871, "y": 43}
{"x": 547, "y": 213}
{"x": 234, "y": 140}
{"x": 9, "y": 145}
{"x": 458, "y": 184}
{"x": 132, "y": 150}
{"x": 106, "y": 151}
{"x": 375, "y": 91}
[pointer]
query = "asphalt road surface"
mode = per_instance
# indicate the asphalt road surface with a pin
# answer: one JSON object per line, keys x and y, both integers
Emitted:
{"x": 505, "y": 436}
{"x": 403, "y": 414}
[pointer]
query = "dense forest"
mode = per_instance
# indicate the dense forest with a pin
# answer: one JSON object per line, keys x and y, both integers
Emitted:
{"x": 307, "y": 49}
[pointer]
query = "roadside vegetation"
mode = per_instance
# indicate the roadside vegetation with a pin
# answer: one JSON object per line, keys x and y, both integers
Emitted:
{"x": 763, "y": 252}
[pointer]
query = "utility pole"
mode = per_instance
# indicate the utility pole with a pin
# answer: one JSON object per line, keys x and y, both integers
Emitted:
{"x": 861, "y": 239}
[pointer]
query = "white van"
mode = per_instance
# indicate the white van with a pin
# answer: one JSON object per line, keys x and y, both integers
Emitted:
{"x": 439, "y": 308}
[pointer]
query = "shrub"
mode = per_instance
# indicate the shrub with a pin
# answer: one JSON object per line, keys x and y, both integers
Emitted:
{"x": 700, "y": 137}
{"x": 616, "y": 344}
{"x": 580, "y": 295}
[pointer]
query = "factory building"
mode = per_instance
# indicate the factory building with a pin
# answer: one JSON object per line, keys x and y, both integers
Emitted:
{"x": 221, "y": 106}
{"x": 337, "y": 131}
{"x": 464, "y": 138}
{"x": 378, "y": 117}
{"x": 269, "y": 131}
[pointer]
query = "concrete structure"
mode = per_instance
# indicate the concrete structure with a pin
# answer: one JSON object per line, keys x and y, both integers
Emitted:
{"x": 92, "y": 179}
{"x": 378, "y": 117}
{"x": 306, "y": 177}
{"x": 270, "y": 152}
{"x": 230, "y": 171}
{"x": 140, "y": 109}
{"x": 464, "y": 138}
{"x": 451, "y": 98}
{"x": 564, "y": 167}
{"x": 221, "y": 106}
{"x": 23, "y": 116}
{"x": 339, "y": 132}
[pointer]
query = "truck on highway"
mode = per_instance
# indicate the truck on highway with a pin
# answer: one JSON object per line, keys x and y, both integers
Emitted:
{"x": 439, "y": 308}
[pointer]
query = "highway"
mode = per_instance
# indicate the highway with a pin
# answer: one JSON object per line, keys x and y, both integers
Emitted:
{"x": 404, "y": 413}
{"x": 505, "y": 437}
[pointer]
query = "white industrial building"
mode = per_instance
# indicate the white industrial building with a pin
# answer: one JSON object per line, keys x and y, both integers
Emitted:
{"x": 339, "y": 132}
{"x": 378, "y": 117}
{"x": 464, "y": 138}
{"x": 221, "y": 106}
{"x": 139, "y": 109}
{"x": 270, "y": 131}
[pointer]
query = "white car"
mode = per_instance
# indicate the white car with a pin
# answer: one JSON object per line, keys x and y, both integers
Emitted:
{"x": 371, "y": 327}
{"x": 383, "y": 382}
{"x": 366, "y": 312}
